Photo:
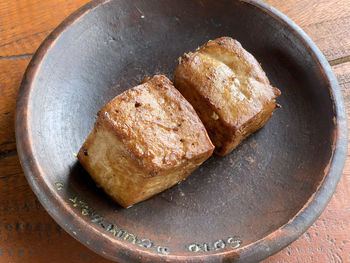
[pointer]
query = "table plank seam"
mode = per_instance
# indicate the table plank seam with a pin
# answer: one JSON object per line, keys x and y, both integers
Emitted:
{"x": 7, "y": 153}
{"x": 24, "y": 56}
{"x": 339, "y": 61}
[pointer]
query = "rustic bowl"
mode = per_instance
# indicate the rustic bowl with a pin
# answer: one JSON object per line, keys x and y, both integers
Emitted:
{"x": 239, "y": 208}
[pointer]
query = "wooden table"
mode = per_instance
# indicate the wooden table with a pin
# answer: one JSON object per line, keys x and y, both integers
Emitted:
{"x": 27, "y": 232}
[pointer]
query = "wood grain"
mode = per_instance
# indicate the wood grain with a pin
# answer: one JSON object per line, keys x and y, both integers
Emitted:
{"x": 27, "y": 232}
{"x": 11, "y": 72}
{"x": 327, "y": 22}
{"x": 27, "y": 23}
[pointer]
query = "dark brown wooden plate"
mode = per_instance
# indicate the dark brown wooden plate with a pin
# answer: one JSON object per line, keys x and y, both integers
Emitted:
{"x": 242, "y": 207}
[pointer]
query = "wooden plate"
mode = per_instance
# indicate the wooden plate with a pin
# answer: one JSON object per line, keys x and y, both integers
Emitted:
{"x": 243, "y": 207}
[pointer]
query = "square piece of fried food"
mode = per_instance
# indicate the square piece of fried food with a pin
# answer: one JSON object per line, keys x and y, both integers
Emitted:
{"x": 228, "y": 89}
{"x": 144, "y": 141}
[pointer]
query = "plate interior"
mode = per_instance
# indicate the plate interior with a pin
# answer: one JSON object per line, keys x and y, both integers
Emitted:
{"x": 244, "y": 196}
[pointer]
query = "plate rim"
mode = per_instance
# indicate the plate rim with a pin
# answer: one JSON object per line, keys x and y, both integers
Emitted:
{"x": 257, "y": 250}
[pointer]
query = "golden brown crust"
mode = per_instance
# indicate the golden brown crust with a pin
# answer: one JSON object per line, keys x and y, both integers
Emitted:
{"x": 144, "y": 141}
{"x": 157, "y": 124}
{"x": 228, "y": 89}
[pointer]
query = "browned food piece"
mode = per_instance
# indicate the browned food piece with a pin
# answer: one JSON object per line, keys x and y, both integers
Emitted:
{"x": 144, "y": 141}
{"x": 228, "y": 89}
